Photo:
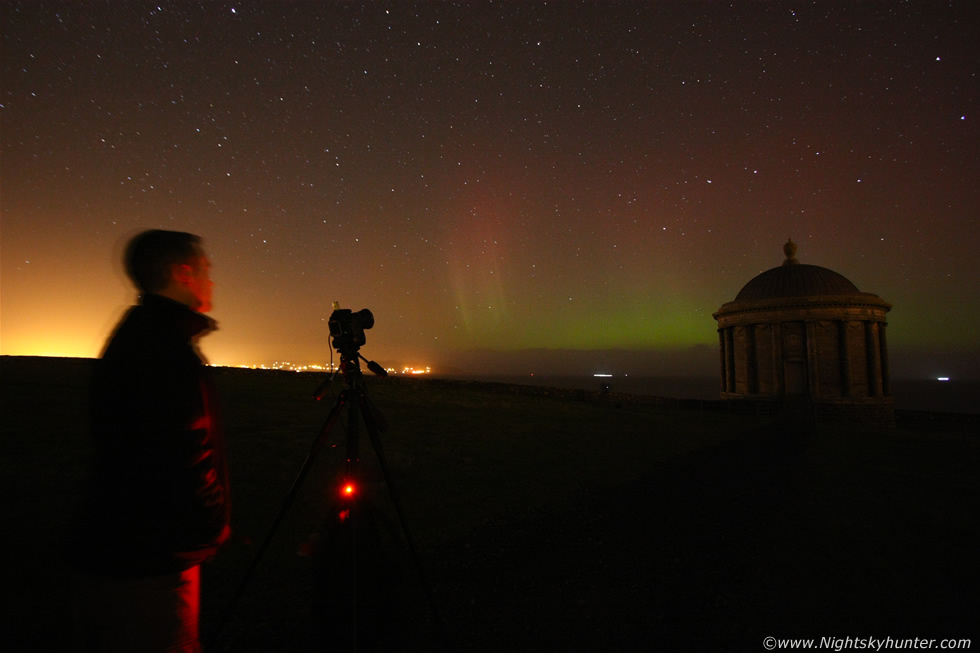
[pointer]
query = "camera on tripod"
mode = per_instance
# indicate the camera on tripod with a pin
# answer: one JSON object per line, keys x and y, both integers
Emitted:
{"x": 338, "y": 589}
{"x": 347, "y": 328}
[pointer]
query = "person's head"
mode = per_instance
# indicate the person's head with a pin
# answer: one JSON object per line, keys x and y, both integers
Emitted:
{"x": 172, "y": 264}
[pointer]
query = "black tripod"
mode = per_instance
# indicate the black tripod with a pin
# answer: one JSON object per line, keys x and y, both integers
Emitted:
{"x": 347, "y": 516}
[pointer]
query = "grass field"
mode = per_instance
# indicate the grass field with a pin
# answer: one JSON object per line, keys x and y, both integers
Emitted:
{"x": 542, "y": 524}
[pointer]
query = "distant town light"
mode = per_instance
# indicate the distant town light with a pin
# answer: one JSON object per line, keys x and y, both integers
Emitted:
{"x": 319, "y": 367}
{"x": 942, "y": 378}
{"x": 605, "y": 376}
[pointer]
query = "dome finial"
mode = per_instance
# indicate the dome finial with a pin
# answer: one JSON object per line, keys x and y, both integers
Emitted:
{"x": 790, "y": 250}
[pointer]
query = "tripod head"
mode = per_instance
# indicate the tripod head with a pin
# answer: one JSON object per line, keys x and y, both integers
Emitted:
{"x": 350, "y": 366}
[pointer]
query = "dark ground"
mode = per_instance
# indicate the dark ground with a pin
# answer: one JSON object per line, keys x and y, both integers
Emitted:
{"x": 720, "y": 549}
{"x": 686, "y": 541}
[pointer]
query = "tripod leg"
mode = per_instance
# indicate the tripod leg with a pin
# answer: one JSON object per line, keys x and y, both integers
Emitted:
{"x": 353, "y": 454}
{"x": 287, "y": 502}
{"x": 368, "y": 414}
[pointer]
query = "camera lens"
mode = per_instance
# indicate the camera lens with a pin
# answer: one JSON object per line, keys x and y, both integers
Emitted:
{"x": 365, "y": 319}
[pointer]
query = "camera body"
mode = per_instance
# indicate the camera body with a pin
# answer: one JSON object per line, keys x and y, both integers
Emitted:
{"x": 347, "y": 328}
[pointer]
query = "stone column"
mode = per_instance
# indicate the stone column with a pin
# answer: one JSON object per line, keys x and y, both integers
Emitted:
{"x": 723, "y": 361}
{"x": 844, "y": 349}
{"x": 730, "y": 358}
{"x": 874, "y": 358}
{"x": 779, "y": 365}
{"x": 813, "y": 373}
{"x": 886, "y": 389}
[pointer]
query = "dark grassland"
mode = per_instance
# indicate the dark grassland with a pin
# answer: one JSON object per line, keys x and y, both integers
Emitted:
{"x": 542, "y": 524}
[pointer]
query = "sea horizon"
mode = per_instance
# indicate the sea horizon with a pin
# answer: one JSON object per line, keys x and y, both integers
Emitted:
{"x": 949, "y": 396}
{"x": 914, "y": 394}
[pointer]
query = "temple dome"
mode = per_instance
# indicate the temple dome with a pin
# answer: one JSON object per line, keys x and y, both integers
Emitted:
{"x": 794, "y": 279}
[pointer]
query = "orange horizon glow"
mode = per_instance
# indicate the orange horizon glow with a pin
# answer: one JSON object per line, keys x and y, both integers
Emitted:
{"x": 76, "y": 350}
{"x": 54, "y": 348}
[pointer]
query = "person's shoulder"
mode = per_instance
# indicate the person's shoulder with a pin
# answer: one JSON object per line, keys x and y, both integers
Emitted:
{"x": 137, "y": 321}
{"x": 138, "y": 333}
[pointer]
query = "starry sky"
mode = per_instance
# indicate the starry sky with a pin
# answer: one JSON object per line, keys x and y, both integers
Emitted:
{"x": 513, "y": 175}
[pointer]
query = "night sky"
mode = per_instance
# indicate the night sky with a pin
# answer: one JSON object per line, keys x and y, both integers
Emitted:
{"x": 502, "y": 175}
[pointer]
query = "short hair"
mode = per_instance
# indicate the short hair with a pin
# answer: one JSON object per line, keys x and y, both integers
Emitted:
{"x": 151, "y": 254}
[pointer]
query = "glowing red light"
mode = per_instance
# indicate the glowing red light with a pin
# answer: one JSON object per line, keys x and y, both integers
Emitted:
{"x": 348, "y": 490}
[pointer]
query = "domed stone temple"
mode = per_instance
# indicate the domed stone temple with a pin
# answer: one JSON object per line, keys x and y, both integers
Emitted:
{"x": 801, "y": 331}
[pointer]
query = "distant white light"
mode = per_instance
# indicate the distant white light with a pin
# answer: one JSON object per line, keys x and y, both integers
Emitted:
{"x": 603, "y": 375}
{"x": 942, "y": 378}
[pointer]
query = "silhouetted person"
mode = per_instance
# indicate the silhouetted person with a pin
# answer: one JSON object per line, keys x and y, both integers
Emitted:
{"x": 157, "y": 505}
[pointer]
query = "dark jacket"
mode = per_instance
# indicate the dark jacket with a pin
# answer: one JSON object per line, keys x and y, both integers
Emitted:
{"x": 158, "y": 498}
